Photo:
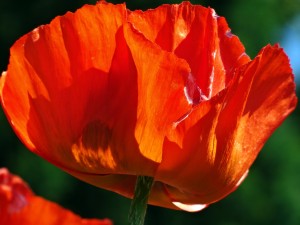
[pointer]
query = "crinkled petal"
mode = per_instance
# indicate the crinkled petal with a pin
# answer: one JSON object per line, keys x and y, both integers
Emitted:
{"x": 54, "y": 96}
{"x": 161, "y": 99}
{"x": 223, "y": 136}
{"x": 106, "y": 100}
{"x": 103, "y": 109}
{"x": 198, "y": 35}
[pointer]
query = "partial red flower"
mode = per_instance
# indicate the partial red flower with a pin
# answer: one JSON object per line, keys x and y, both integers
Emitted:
{"x": 108, "y": 94}
{"x": 19, "y": 205}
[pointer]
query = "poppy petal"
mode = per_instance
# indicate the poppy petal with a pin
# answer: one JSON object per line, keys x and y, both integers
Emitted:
{"x": 18, "y": 205}
{"x": 224, "y": 135}
{"x": 198, "y": 35}
{"x": 98, "y": 116}
{"x": 43, "y": 59}
{"x": 161, "y": 85}
{"x": 265, "y": 96}
{"x": 156, "y": 114}
{"x": 167, "y": 93}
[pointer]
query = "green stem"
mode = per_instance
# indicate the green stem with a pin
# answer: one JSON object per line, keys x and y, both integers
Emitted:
{"x": 138, "y": 206}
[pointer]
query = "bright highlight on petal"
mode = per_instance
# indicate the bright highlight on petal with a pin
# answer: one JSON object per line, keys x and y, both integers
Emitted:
{"x": 190, "y": 208}
{"x": 242, "y": 178}
{"x": 108, "y": 94}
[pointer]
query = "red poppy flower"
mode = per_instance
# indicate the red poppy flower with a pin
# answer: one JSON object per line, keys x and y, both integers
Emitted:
{"x": 18, "y": 205}
{"x": 108, "y": 94}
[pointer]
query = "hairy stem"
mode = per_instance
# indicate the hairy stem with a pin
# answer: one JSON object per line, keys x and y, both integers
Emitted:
{"x": 138, "y": 206}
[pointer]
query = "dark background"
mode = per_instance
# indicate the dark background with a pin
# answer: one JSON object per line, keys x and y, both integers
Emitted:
{"x": 270, "y": 194}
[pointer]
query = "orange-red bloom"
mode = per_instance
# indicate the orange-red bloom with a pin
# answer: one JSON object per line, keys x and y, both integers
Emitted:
{"x": 18, "y": 205}
{"x": 107, "y": 94}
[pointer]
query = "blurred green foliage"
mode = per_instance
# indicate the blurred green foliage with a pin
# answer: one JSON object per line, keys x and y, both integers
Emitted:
{"x": 270, "y": 194}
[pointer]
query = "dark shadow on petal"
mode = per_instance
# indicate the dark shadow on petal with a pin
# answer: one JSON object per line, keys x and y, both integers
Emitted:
{"x": 89, "y": 126}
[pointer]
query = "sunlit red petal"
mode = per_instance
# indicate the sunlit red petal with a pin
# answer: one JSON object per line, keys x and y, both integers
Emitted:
{"x": 101, "y": 114}
{"x": 69, "y": 102}
{"x": 108, "y": 94}
{"x": 160, "y": 92}
{"x": 264, "y": 97}
{"x": 220, "y": 147}
{"x": 198, "y": 35}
